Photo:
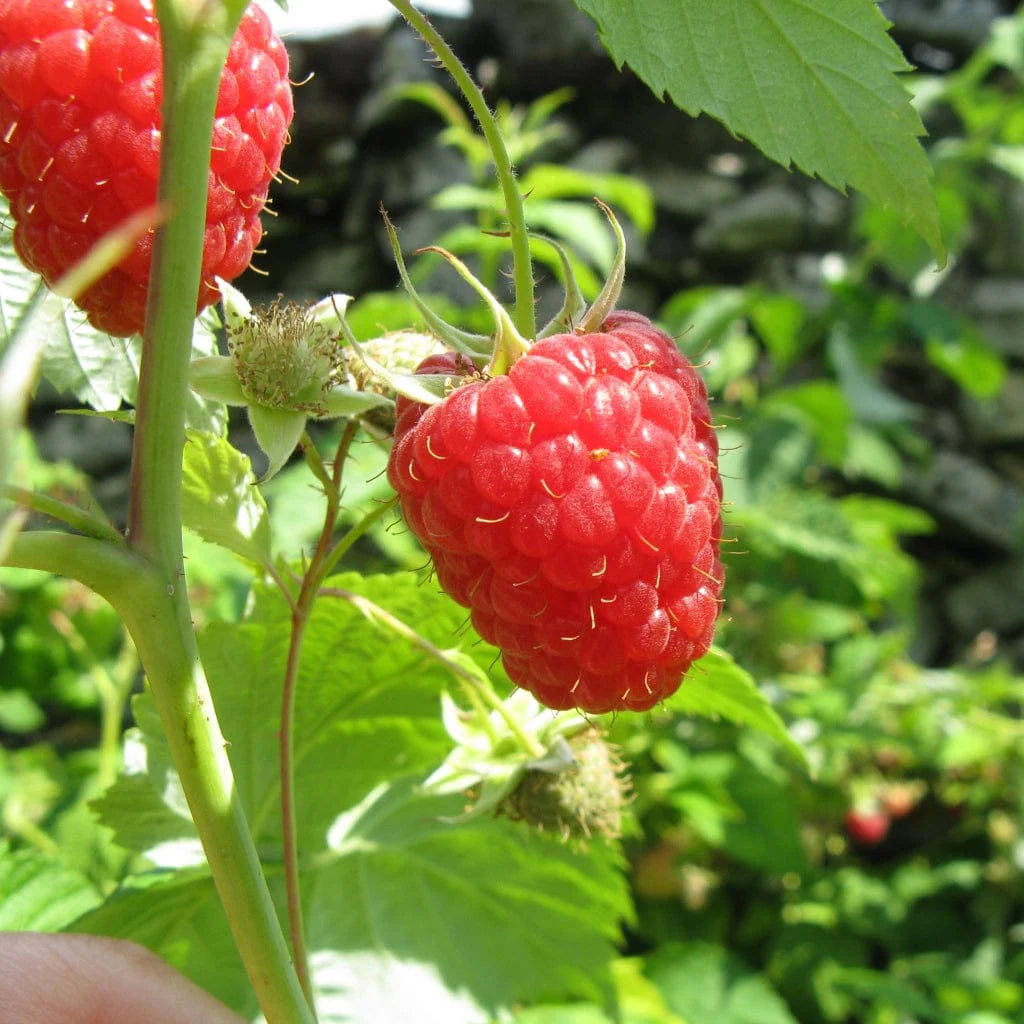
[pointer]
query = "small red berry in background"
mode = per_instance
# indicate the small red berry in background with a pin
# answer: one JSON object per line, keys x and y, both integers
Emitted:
{"x": 867, "y": 827}
{"x": 80, "y": 119}
{"x": 574, "y": 505}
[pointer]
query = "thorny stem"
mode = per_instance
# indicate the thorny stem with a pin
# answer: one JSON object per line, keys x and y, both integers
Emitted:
{"x": 522, "y": 265}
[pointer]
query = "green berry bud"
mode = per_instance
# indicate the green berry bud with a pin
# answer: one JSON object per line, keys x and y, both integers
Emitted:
{"x": 579, "y": 801}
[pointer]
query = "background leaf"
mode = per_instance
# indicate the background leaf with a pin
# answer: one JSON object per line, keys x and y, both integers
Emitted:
{"x": 716, "y": 687}
{"x": 703, "y": 982}
{"x": 39, "y": 894}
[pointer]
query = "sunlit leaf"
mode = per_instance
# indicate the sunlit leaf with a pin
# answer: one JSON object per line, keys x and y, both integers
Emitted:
{"x": 220, "y": 499}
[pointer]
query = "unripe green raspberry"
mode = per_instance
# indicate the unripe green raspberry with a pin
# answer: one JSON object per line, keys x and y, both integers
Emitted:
{"x": 584, "y": 800}
{"x": 284, "y": 357}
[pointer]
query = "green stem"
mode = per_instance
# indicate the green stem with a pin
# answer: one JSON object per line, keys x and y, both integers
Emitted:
{"x": 522, "y": 264}
{"x": 195, "y": 38}
{"x": 289, "y": 822}
{"x": 302, "y": 608}
{"x": 148, "y": 605}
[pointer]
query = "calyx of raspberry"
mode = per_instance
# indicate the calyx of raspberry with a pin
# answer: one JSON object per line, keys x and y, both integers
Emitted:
{"x": 286, "y": 365}
{"x": 495, "y": 751}
{"x": 489, "y": 355}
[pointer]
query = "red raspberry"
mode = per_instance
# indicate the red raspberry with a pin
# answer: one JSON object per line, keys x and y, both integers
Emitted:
{"x": 80, "y": 93}
{"x": 574, "y": 506}
{"x": 867, "y": 827}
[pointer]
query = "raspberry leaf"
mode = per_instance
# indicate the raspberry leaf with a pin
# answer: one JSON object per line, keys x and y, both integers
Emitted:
{"x": 511, "y": 897}
{"x": 705, "y": 982}
{"x": 810, "y": 84}
{"x": 40, "y": 894}
{"x": 362, "y": 753}
{"x": 220, "y": 499}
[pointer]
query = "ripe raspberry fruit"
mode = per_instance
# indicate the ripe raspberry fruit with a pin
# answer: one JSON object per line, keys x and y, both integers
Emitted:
{"x": 867, "y": 826}
{"x": 574, "y": 506}
{"x": 80, "y": 94}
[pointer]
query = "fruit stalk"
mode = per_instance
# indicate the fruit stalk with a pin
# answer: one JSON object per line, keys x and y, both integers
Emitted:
{"x": 522, "y": 264}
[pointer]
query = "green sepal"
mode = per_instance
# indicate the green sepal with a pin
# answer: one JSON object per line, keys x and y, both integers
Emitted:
{"x": 508, "y": 343}
{"x": 490, "y": 759}
{"x": 609, "y": 294}
{"x": 214, "y": 378}
{"x": 573, "y": 304}
{"x": 428, "y": 389}
{"x": 345, "y": 401}
{"x": 278, "y": 432}
{"x": 475, "y": 346}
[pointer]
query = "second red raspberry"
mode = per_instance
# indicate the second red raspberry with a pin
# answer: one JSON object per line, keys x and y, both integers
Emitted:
{"x": 574, "y": 506}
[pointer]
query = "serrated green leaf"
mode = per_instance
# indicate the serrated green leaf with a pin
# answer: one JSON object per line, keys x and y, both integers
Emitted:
{"x": 367, "y": 702}
{"x": 408, "y": 917}
{"x": 366, "y": 711}
{"x": 220, "y": 499}
{"x": 716, "y": 687}
{"x": 142, "y": 821}
{"x": 705, "y": 983}
{"x": 103, "y": 372}
{"x": 401, "y": 906}
{"x": 810, "y": 84}
{"x": 39, "y": 894}
{"x": 501, "y": 912}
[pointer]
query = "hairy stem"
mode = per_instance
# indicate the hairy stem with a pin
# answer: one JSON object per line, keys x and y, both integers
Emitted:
{"x": 522, "y": 264}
